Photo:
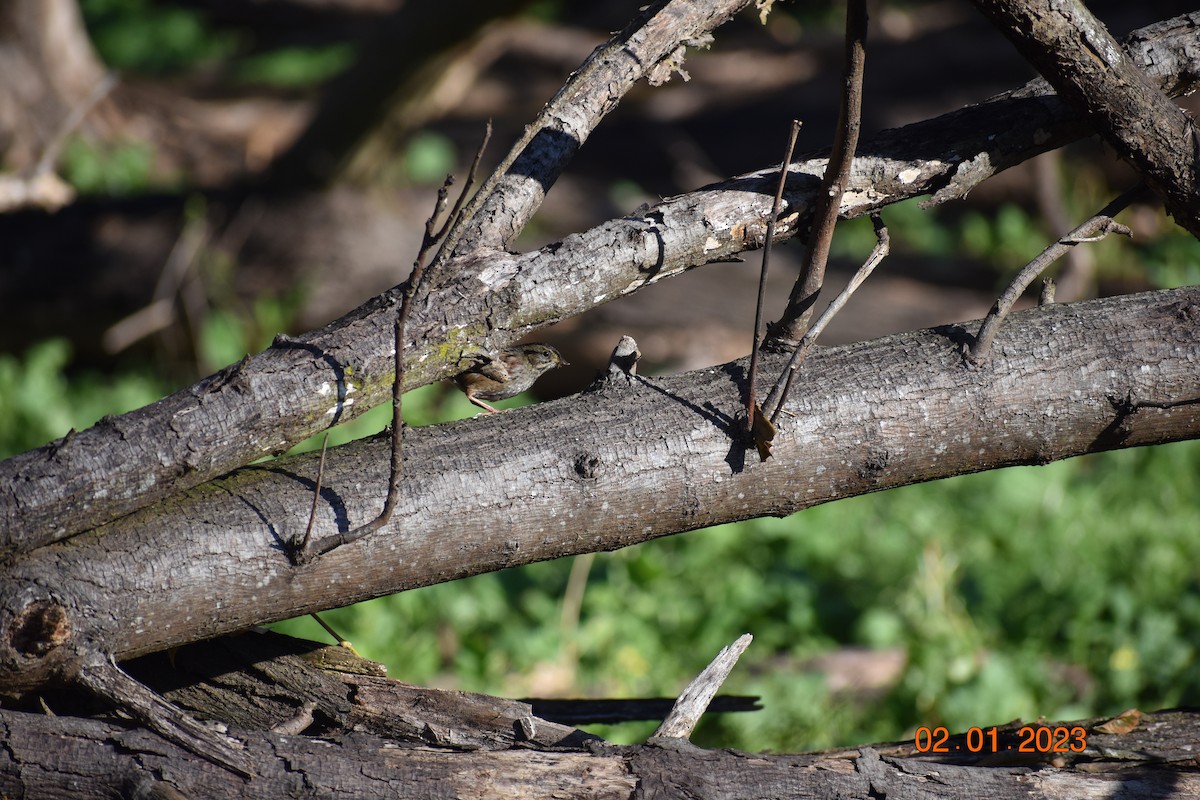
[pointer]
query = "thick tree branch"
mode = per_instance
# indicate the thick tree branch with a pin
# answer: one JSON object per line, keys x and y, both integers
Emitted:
{"x": 1092, "y": 73}
{"x": 508, "y": 200}
{"x": 1156, "y": 759}
{"x": 267, "y": 403}
{"x": 1063, "y": 380}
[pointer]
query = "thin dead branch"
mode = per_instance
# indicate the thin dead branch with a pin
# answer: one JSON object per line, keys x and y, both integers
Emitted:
{"x": 101, "y": 676}
{"x": 779, "y": 393}
{"x": 1093, "y": 230}
{"x": 41, "y": 187}
{"x": 159, "y": 313}
{"x": 694, "y": 699}
{"x": 305, "y": 550}
{"x": 73, "y": 120}
{"x": 790, "y": 328}
{"x": 751, "y": 382}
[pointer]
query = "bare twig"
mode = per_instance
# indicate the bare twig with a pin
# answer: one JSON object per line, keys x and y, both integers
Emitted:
{"x": 316, "y": 496}
{"x": 307, "y": 550}
{"x": 693, "y": 701}
{"x": 837, "y": 175}
{"x": 342, "y": 641}
{"x": 159, "y": 313}
{"x": 779, "y": 392}
{"x": 1094, "y": 229}
{"x": 456, "y": 213}
{"x": 752, "y": 375}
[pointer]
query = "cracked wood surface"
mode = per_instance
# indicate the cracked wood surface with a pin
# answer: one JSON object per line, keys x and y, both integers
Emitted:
{"x": 81, "y": 759}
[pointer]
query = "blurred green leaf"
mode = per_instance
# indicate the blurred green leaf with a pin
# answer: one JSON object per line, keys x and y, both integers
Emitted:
{"x": 39, "y": 402}
{"x": 429, "y": 158}
{"x": 153, "y": 38}
{"x": 109, "y": 169}
{"x": 295, "y": 67}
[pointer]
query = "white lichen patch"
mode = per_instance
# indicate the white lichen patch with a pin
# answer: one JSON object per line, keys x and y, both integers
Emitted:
{"x": 497, "y": 274}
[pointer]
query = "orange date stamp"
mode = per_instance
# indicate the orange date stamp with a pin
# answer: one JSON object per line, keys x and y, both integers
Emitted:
{"x": 1027, "y": 739}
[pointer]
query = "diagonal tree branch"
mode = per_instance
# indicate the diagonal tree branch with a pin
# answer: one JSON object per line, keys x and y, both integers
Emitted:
{"x": 778, "y": 395}
{"x": 1094, "y": 75}
{"x": 558, "y": 478}
{"x": 298, "y": 387}
{"x": 392, "y": 63}
{"x": 508, "y": 200}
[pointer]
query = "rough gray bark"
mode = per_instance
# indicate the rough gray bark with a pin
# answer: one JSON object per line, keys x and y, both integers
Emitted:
{"x": 651, "y": 46}
{"x": 1063, "y": 380}
{"x": 1093, "y": 74}
{"x": 544, "y": 482}
{"x": 58, "y": 757}
{"x": 482, "y": 302}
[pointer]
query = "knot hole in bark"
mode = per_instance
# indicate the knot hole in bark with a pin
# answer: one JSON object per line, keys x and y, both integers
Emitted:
{"x": 39, "y": 628}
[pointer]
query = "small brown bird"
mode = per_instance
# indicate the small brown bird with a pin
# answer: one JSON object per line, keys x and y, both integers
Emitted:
{"x": 509, "y": 374}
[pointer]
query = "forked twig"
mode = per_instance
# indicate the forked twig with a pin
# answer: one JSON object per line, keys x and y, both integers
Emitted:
{"x": 792, "y": 325}
{"x": 751, "y": 395}
{"x": 778, "y": 395}
{"x": 1094, "y": 229}
{"x": 305, "y": 550}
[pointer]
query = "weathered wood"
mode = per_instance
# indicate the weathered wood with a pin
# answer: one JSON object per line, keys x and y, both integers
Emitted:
{"x": 556, "y": 479}
{"x": 300, "y": 387}
{"x": 1094, "y": 75}
{"x": 60, "y": 757}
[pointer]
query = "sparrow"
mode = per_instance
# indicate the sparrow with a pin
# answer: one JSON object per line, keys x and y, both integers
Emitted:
{"x": 508, "y": 374}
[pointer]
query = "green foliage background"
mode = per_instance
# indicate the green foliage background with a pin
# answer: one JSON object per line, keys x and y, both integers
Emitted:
{"x": 1060, "y": 591}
